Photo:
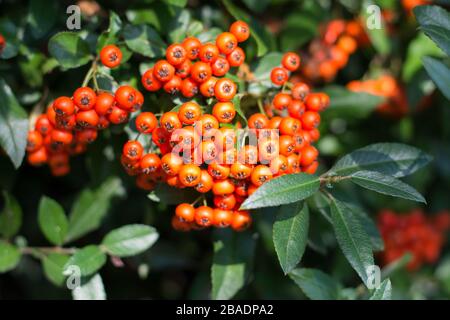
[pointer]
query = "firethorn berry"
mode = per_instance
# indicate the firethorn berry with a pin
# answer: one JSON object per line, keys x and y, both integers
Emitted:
{"x": 201, "y": 71}
{"x": 179, "y": 225}
{"x": 240, "y": 171}
{"x": 248, "y": 154}
{"x": 174, "y": 181}
{"x": 314, "y": 102}
{"x": 208, "y": 151}
{"x": 274, "y": 122}
{"x": 185, "y": 138}
{"x": 189, "y": 88}
{"x": 104, "y": 103}
{"x": 241, "y": 30}
{"x": 125, "y": 97}
{"x": 149, "y": 163}
{"x": 236, "y": 57}
{"x": 86, "y": 135}
{"x": 63, "y": 137}
{"x": 208, "y": 53}
{"x": 296, "y": 108}
{"x": 51, "y": 115}
{"x": 224, "y": 112}
{"x": 185, "y": 212}
{"x": 312, "y": 168}
{"x": 176, "y": 54}
{"x": 293, "y": 163}
{"x": 118, "y": 115}
{"x": 222, "y": 218}
{"x": 251, "y": 189}
{"x": 225, "y": 89}
{"x": 241, "y": 220}
{"x": 160, "y": 136}
{"x": 206, "y": 123}
{"x": 279, "y": 76}
{"x": 170, "y": 121}
{"x": 87, "y": 119}
{"x": 279, "y": 165}
{"x": 173, "y": 86}
{"x": 163, "y": 70}
{"x": 64, "y": 106}
{"x": 38, "y": 157}
{"x": 290, "y": 126}
{"x": 192, "y": 46}
{"x": 347, "y": 44}
{"x": 281, "y": 101}
{"x": 314, "y": 134}
{"x": 220, "y": 66}
{"x": 204, "y": 216}
{"x": 110, "y": 56}
{"x": 67, "y": 123}
{"x": 34, "y": 141}
{"x": 310, "y": 120}
{"x": 226, "y": 42}
{"x": 260, "y": 175}
{"x": 84, "y": 98}
{"x": 300, "y": 90}
{"x": 268, "y": 149}
{"x": 258, "y": 121}
{"x": 206, "y": 182}
{"x": 150, "y": 82}
{"x": 146, "y": 122}
{"x": 287, "y": 145}
{"x": 133, "y": 150}
{"x": 291, "y": 61}
{"x": 222, "y": 187}
{"x": 145, "y": 182}
{"x": 171, "y": 164}
{"x": 207, "y": 87}
{"x": 43, "y": 125}
{"x": 189, "y": 175}
{"x": 218, "y": 171}
{"x": 309, "y": 154}
{"x": 183, "y": 70}
{"x": 226, "y": 202}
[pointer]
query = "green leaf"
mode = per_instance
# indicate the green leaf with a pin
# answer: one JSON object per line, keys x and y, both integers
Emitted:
{"x": 283, "y": 190}
{"x": 170, "y": 195}
{"x": 388, "y": 185}
{"x": 352, "y": 238}
{"x": 177, "y": 3}
{"x": 53, "y": 266}
{"x": 130, "y": 240}
{"x": 13, "y": 125}
{"x": 261, "y": 70}
{"x": 179, "y": 25}
{"x": 52, "y": 220}
{"x": 349, "y": 104}
{"x": 290, "y": 234}
{"x": 435, "y": 23}
{"x": 42, "y": 16}
{"x": 90, "y": 208}
{"x": 378, "y": 36}
{"x": 9, "y": 30}
{"x": 111, "y": 35}
{"x": 69, "y": 49}
{"x": 257, "y": 31}
{"x": 383, "y": 292}
{"x": 144, "y": 40}
{"x": 439, "y": 73}
{"x": 233, "y": 255}
{"x": 237, "y": 106}
{"x": 89, "y": 260}
{"x": 315, "y": 284}
{"x": 90, "y": 289}
{"x": 394, "y": 159}
{"x": 9, "y": 256}
{"x": 10, "y": 216}
{"x": 257, "y": 5}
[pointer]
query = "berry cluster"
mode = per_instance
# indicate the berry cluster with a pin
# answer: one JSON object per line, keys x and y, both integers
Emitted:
{"x": 201, "y": 150}
{"x": 330, "y": 53}
{"x": 415, "y": 233}
{"x": 386, "y": 86}
{"x": 71, "y": 123}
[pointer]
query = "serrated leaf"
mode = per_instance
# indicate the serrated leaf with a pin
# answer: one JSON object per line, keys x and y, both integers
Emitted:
{"x": 53, "y": 266}
{"x": 439, "y": 73}
{"x": 10, "y": 216}
{"x": 90, "y": 208}
{"x": 315, "y": 284}
{"x": 383, "y": 292}
{"x": 388, "y": 185}
{"x": 52, "y": 221}
{"x": 9, "y": 256}
{"x": 434, "y": 21}
{"x": 13, "y": 125}
{"x": 130, "y": 240}
{"x": 42, "y": 16}
{"x": 290, "y": 234}
{"x": 394, "y": 159}
{"x": 346, "y": 103}
{"x": 233, "y": 255}
{"x": 283, "y": 190}
{"x": 91, "y": 288}
{"x": 352, "y": 238}
{"x": 69, "y": 49}
{"x": 257, "y": 31}
{"x": 144, "y": 40}
{"x": 88, "y": 260}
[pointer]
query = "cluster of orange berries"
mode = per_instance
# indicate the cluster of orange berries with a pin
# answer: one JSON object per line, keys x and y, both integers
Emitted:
{"x": 330, "y": 53}
{"x": 421, "y": 236}
{"x": 228, "y": 168}
{"x": 192, "y": 67}
{"x": 71, "y": 123}
{"x": 395, "y": 104}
